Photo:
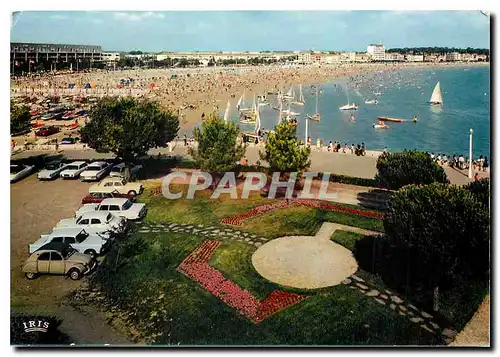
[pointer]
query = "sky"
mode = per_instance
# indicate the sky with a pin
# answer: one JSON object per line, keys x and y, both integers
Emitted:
{"x": 252, "y": 30}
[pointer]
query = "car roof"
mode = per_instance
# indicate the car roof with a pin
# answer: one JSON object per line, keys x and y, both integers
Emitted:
{"x": 63, "y": 231}
{"x": 98, "y": 163}
{"x": 95, "y": 214}
{"x": 77, "y": 162}
{"x": 113, "y": 201}
{"x": 121, "y": 164}
{"x": 107, "y": 179}
{"x": 58, "y": 246}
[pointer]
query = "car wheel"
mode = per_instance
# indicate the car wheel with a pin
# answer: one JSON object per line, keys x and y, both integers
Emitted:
{"x": 132, "y": 193}
{"x": 91, "y": 252}
{"x": 74, "y": 274}
{"x": 31, "y": 276}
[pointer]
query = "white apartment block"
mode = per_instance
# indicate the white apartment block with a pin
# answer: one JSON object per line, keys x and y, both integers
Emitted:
{"x": 414, "y": 58}
{"x": 305, "y": 58}
{"x": 453, "y": 56}
{"x": 377, "y": 52}
{"x": 110, "y": 57}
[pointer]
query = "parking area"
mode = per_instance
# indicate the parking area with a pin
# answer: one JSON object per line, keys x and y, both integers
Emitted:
{"x": 36, "y": 206}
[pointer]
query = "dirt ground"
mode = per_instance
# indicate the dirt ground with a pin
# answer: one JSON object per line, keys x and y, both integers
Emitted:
{"x": 36, "y": 207}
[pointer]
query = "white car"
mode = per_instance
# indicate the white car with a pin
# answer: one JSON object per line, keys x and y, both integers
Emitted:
{"x": 96, "y": 222}
{"x": 74, "y": 170}
{"x": 52, "y": 170}
{"x": 78, "y": 238}
{"x": 116, "y": 184}
{"x": 95, "y": 171}
{"x": 18, "y": 172}
{"x": 125, "y": 172}
{"x": 118, "y": 206}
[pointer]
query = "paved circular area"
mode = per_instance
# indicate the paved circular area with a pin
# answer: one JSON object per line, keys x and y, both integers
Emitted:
{"x": 304, "y": 262}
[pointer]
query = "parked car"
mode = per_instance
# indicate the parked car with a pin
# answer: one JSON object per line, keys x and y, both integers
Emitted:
{"x": 74, "y": 169}
{"x": 116, "y": 184}
{"x": 97, "y": 197}
{"x": 58, "y": 258}
{"x": 47, "y": 116}
{"x": 52, "y": 170}
{"x": 124, "y": 171}
{"x": 103, "y": 223}
{"x": 47, "y": 130}
{"x": 67, "y": 141}
{"x": 18, "y": 172}
{"x": 118, "y": 206}
{"x": 95, "y": 171}
{"x": 78, "y": 238}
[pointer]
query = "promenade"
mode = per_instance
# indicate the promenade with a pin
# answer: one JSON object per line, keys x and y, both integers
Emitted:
{"x": 321, "y": 161}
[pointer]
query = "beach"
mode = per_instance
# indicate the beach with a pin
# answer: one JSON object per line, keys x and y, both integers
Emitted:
{"x": 193, "y": 91}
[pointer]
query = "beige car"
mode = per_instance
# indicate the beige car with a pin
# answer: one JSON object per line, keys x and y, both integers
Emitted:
{"x": 117, "y": 184}
{"x": 58, "y": 259}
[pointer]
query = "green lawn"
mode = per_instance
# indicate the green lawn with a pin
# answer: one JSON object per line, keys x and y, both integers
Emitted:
{"x": 346, "y": 239}
{"x": 289, "y": 221}
{"x": 164, "y": 302}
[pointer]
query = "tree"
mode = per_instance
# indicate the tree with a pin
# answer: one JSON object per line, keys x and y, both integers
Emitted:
{"x": 20, "y": 118}
{"x": 283, "y": 151}
{"x": 440, "y": 234}
{"x": 396, "y": 170}
{"x": 217, "y": 148}
{"x": 129, "y": 127}
{"x": 481, "y": 190}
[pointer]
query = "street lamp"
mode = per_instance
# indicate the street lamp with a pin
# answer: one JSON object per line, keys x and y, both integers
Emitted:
{"x": 470, "y": 152}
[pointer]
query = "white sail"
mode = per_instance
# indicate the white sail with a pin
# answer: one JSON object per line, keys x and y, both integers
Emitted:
{"x": 226, "y": 113}
{"x": 436, "y": 97}
{"x": 290, "y": 92}
{"x": 257, "y": 120}
{"x": 240, "y": 100}
{"x": 301, "y": 95}
{"x": 316, "y": 101}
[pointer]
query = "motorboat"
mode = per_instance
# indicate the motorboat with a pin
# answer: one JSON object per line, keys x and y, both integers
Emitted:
{"x": 373, "y": 101}
{"x": 315, "y": 117}
{"x": 392, "y": 120}
{"x": 349, "y": 107}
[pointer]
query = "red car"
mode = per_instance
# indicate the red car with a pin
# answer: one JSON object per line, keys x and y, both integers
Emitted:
{"x": 47, "y": 131}
{"x": 97, "y": 197}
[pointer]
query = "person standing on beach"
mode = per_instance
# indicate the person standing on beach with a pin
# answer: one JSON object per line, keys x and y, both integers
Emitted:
{"x": 485, "y": 164}
{"x": 185, "y": 140}
{"x": 363, "y": 149}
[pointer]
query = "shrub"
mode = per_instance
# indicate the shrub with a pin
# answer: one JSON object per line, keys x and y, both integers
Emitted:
{"x": 396, "y": 170}
{"x": 481, "y": 190}
{"x": 442, "y": 231}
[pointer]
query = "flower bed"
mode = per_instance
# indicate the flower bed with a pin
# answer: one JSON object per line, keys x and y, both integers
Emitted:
{"x": 196, "y": 267}
{"x": 238, "y": 219}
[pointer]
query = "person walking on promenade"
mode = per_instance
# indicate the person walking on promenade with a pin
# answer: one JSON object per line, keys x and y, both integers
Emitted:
{"x": 363, "y": 149}
{"x": 385, "y": 149}
{"x": 476, "y": 176}
{"x": 485, "y": 164}
{"x": 352, "y": 148}
{"x": 318, "y": 144}
{"x": 330, "y": 146}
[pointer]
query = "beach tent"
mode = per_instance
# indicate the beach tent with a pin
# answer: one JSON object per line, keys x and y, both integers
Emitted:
{"x": 87, "y": 86}
{"x": 173, "y": 76}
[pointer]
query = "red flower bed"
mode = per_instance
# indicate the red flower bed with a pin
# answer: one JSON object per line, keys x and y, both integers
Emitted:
{"x": 237, "y": 220}
{"x": 196, "y": 267}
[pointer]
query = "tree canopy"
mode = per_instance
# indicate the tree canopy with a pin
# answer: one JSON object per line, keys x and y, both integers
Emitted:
{"x": 128, "y": 127}
{"x": 20, "y": 118}
{"x": 283, "y": 151}
{"x": 396, "y": 170}
{"x": 217, "y": 149}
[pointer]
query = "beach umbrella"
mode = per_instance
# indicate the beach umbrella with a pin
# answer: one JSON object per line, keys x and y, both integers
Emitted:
{"x": 152, "y": 86}
{"x": 71, "y": 85}
{"x": 87, "y": 86}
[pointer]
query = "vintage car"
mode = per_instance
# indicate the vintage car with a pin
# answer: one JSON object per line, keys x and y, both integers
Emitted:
{"x": 118, "y": 206}
{"x": 52, "y": 170}
{"x": 112, "y": 184}
{"x": 78, "y": 238}
{"x": 58, "y": 258}
{"x": 95, "y": 171}
{"x": 96, "y": 222}
{"x": 47, "y": 130}
{"x": 97, "y": 197}
{"x": 124, "y": 171}
{"x": 73, "y": 170}
{"x": 17, "y": 172}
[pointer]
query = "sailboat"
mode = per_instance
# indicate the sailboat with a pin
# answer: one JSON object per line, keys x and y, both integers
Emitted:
{"x": 290, "y": 94}
{"x": 348, "y": 106}
{"x": 301, "y": 100}
{"x": 240, "y": 103}
{"x": 316, "y": 116}
{"x": 226, "y": 113}
{"x": 436, "y": 97}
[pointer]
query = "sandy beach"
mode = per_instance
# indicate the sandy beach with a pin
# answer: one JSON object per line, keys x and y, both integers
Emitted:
{"x": 194, "y": 91}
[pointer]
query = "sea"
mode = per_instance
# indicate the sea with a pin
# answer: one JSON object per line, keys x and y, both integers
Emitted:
{"x": 401, "y": 93}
